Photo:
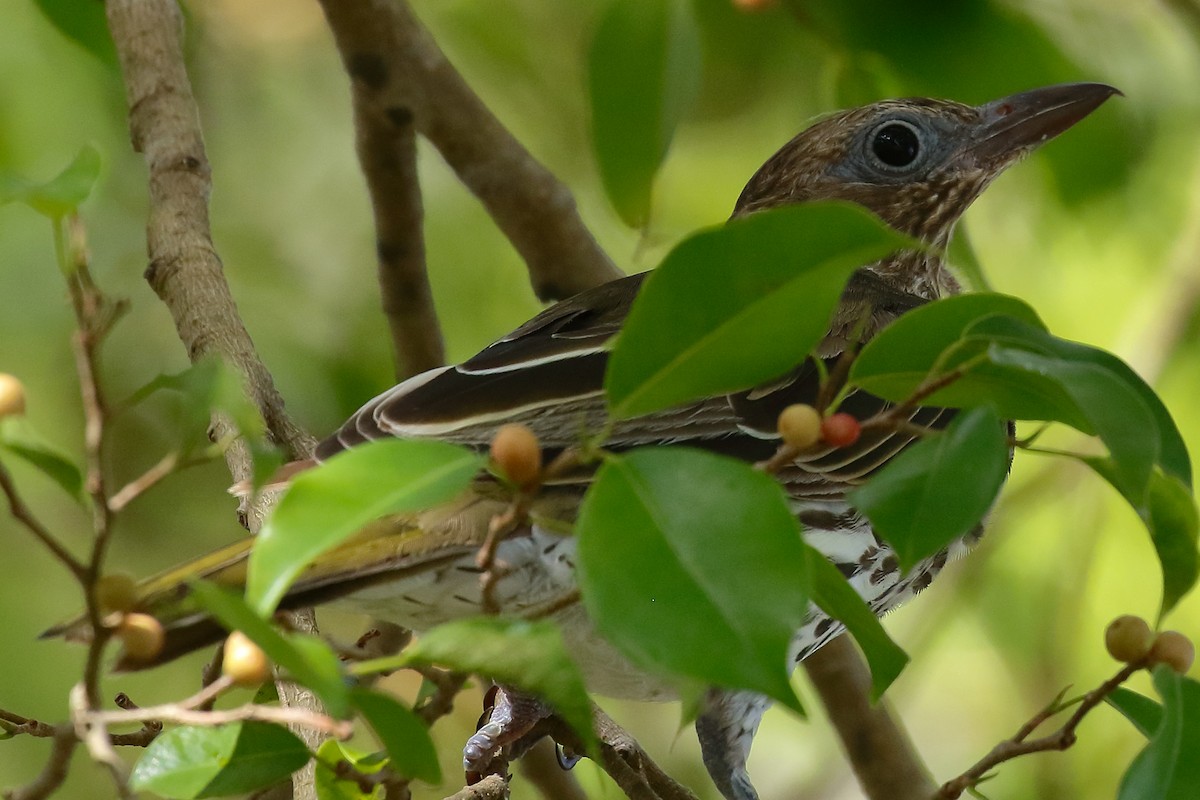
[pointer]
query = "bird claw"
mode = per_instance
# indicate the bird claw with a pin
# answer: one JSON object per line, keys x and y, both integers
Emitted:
{"x": 566, "y": 759}
{"x": 511, "y": 716}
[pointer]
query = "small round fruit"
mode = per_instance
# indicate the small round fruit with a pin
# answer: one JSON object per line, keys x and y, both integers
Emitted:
{"x": 116, "y": 593}
{"x": 800, "y": 426}
{"x": 12, "y": 396}
{"x": 142, "y": 637}
{"x": 1128, "y": 638}
{"x": 1173, "y": 649}
{"x": 244, "y": 661}
{"x": 515, "y": 450}
{"x": 840, "y": 430}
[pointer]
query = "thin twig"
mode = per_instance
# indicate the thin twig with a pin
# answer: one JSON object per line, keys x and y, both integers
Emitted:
{"x": 54, "y": 772}
{"x": 22, "y": 514}
{"x": 167, "y": 465}
{"x": 187, "y": 712}
{"x": 1020, "y": 744}
{"x": 387, "y": 150}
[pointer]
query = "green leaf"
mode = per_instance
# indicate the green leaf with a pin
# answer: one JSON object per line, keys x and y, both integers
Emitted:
{"x": 738, "y": 305}
{"x": 837, "y": 598}
{"x": 330, "y": 787}
{"x": 191, "y": 762}
{"x": 1169, "y": 512}
{"x": 643, "y": 73}
{"x": 1141, "y": 711}
{"x": 61, "y": 195}
{"x": 1022, "y": 371}
{"x": 692, "y": 563}
{"x": 308, "y": 659}
{"x": 85, "y": 24}
{"x": 327, "y": 505}
{"x": 1167, "y": 769}
{"x": 1112, "y": 410}
{"x": 1172, "y": 452}
{"x": 18, "y": 437}
{"x": 402, "y": 734}
{"x": 529, "y": 655}
{"x": 900, "y": 356}
{"x": 937, "y": 489}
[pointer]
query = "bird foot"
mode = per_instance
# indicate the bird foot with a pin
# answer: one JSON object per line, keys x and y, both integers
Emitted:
{"x": 509, "y": 715}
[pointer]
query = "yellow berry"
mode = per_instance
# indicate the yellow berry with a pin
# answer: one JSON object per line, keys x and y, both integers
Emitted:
{"x": 800, "y": 426}
{"x": 1173, "y": 649}
{"x": 142, "y": 637}
{"x": 116, "y": 593}
{"x": 12, "y": 396}
{"x": 244, "y": 661}
{"x": 517, "y": 454}
{"x": 1128, "y": 638}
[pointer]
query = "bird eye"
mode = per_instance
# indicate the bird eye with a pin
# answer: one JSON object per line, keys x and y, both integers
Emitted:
{"x": 896, "y": 144}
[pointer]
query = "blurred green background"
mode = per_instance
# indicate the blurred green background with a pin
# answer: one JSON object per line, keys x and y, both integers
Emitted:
{"x": 1100, "y": 232}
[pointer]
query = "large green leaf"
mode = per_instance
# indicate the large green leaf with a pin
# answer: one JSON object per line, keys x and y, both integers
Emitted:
{"x": 938, "y": 489}
{"x": 837, "y": 598}
{"x": 734, "y": 306}
{"x": 1169, "y": 512}
{"x": 1014, "y": 365}
{"x": 325, "y": 506}
{"x": 309, "y": 660}
{"x": 643, "y": 73}
{"x": 1172, "y": 452}
{"x": 528, "y": 655}
{"x": 402, "y": 734}
{"x": 1167, "y": 769}
{"x": 191, "y": 762}
{"x": 692, "y": 563}
{"x": 906, "y": 350}
{"x": 1113, "y": 411}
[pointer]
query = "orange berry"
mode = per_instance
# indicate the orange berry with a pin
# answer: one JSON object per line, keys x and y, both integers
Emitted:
{"x": 142, "y": 637}
{"x": 244, "y": 661}
{"x": 517, "y": 454}
{"x": 800, "y": 426}
{"x": 12, "y": 396}
{"x": 840, "y": 430}
{"x": 1173, "y": 649}
{"x": 116, "y": 593}
{"x": 1128, "y": 638}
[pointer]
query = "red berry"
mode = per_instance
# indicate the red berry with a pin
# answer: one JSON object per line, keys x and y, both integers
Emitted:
{"x": 840, "y": 430}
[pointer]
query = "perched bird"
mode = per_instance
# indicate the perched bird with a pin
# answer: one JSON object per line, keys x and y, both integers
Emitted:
{"x": 918, "y": 164}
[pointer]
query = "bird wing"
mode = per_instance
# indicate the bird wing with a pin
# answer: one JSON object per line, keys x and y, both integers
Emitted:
{"x": 549, "y": 375}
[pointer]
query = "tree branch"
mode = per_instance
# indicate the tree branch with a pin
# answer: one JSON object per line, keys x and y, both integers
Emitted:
{"x": 387, "y": 150}
{"x": 184, "y": 269}
{"x": 400, "y": 74}
{"x": 883, "y": 759}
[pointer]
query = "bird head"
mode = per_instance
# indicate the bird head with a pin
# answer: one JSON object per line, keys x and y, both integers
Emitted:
{"x": 917, "y": 163}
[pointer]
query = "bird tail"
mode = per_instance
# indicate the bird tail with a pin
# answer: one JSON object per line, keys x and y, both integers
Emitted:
{"x": 386, "y": 550}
